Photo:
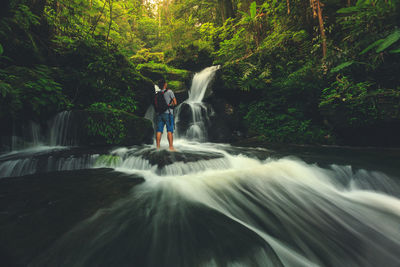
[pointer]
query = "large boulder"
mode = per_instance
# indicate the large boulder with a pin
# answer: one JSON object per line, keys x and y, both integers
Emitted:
{"x": 111, "y": 128}
{"x": 226, "y": 124}
{"x": 144, "y": 91}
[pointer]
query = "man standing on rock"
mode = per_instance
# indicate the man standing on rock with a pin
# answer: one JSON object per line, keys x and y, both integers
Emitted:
{"x": 165, "y": 117}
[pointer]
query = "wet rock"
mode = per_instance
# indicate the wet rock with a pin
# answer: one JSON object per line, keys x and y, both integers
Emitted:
{"x": 162, "y": 158}
{"x": 226, "y": 124}
{"x": 36, "y": 210}
{"x": 134, "y": 130}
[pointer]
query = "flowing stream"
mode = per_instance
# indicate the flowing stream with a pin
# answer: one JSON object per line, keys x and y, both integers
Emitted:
{"x": 214, "y": 204}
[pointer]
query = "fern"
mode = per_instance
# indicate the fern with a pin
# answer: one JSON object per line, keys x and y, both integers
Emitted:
{"x": 342, "y": 66}
{"x": 373, "y": 45}
{"x": 388, "y": 41}
{"x": 347, "y": 10}
{"x": 383, "y": 44}
{"x": 395, "y": 51}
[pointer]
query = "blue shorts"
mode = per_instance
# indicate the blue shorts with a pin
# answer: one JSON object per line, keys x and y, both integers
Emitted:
{"x": 165, "y": 119}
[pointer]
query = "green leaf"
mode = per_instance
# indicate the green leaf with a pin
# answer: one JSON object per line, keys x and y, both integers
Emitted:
{"x": 253, "y": 9}
{"x": 374, "y": 44}
{"x": 395, "y": 51}
{"x": 347, "y": 10}
{"x": 1, "y": 49}
{"x": 388, "y": 41}
{"x": 342, "y": 66}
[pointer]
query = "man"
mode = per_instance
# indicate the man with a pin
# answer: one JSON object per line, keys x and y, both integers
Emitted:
{"x": 166, "y": 118}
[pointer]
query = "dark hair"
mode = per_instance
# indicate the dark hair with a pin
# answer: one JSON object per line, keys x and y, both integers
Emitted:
{"x": 161, "y": 83}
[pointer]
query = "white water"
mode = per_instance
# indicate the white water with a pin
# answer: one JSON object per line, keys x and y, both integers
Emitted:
{"x": 61, "y": 135}
{"x": 60, "y": 130}
{"x": 200, "y": 84}
{"x": 197, "y": 129}
{"x": 272, "y": 211}
{"x": 229, "y": 208}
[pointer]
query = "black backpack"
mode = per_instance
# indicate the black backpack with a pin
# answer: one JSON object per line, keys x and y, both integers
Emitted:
{"x": 159, "y": 102}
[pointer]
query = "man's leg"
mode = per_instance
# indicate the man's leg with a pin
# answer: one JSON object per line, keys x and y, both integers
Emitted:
{"x": 158, "y": 139}
{"x": 170, "y": 137}
{"x": 170, "y": 131}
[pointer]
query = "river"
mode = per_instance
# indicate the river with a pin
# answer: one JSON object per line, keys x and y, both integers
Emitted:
{"x": 207, "y": 204}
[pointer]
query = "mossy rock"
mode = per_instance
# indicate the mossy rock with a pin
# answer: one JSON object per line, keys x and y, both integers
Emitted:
{"x": 101, "y": 128}
{"x": 155, "y": 71}
{"x": 177, "y": 86}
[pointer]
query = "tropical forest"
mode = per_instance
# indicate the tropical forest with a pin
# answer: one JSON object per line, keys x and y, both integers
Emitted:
{"x": 282, "y": 148}
{"x": 315, "y": 72}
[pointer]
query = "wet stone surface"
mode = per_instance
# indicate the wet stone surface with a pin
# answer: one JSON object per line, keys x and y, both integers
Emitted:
{"x": 164, "y": 158}
{"x": 36, "y": 210}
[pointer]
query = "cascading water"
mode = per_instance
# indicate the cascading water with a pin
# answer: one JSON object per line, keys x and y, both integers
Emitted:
{"x": 196, "y": 121}
{"x": 62, "y": 131}
{"x": 214, "y": 204}
{"x": 235, "y": 210}
{"x": 27, "y": 152}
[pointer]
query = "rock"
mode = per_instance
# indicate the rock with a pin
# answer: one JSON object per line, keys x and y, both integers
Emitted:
{"x": 226, "y": 124}
{"x": 163, "y": 158}
{"x": 108, "y": 128}
{"x": 37, "y": 210}
{"x": 144, "y": 91}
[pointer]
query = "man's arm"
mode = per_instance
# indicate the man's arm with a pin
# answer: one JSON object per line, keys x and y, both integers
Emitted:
{"x": 174, "y": 102}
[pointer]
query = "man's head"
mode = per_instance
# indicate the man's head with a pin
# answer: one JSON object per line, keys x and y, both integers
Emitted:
{"x": 161, "y": 83}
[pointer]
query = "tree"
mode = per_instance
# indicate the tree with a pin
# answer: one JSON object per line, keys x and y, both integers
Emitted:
{"x": 316, "y": 6}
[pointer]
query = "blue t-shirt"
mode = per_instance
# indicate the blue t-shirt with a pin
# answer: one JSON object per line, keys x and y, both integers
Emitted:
{"x": 168, "y": 96}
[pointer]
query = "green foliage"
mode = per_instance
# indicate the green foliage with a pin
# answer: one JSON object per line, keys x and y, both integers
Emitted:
{"x": 111, "y": 161}
{"x": 92, "y": 72}
{"x": 342, "y": 66}
{"x": 353, "y": 102}
{"x": 78, "y": 53}
{"x": 24, "y": 17}
{"x": 283, "y": 127}
{"x": 344, "y": 89}
{"x": 232, "y": 49}
{"x": 144, "y": 55}
{"x": 162, "y": 67}
{"x": 30, "y": 92}
{"x": 388, "y": 41}
{"x": 108, "y": 123}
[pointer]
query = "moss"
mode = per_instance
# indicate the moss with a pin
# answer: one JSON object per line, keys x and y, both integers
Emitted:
{"x": 156, "y": 69}
{"x": 176, "y": 86}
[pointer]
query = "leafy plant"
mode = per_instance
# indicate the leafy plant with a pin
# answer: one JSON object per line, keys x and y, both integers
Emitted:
{"x": 29, "y": 92}
{"x": 106, "y": 121}
{"x": 108, "y": 161}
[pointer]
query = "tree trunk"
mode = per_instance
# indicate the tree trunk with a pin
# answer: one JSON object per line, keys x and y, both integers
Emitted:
{"x": 321, "y": 28}
{"x": 317, "y": 12}
{"x": 288, "y": 6}
{"x": 226, "y": 9}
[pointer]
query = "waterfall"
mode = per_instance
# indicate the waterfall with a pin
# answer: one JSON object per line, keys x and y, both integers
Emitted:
{"x": 192, "y": 116}
{"x": 30, "y": 136}
{"x": 200, "y": 84}
{"x": 28, "y": 148}
{"x": 62, "y": 131}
